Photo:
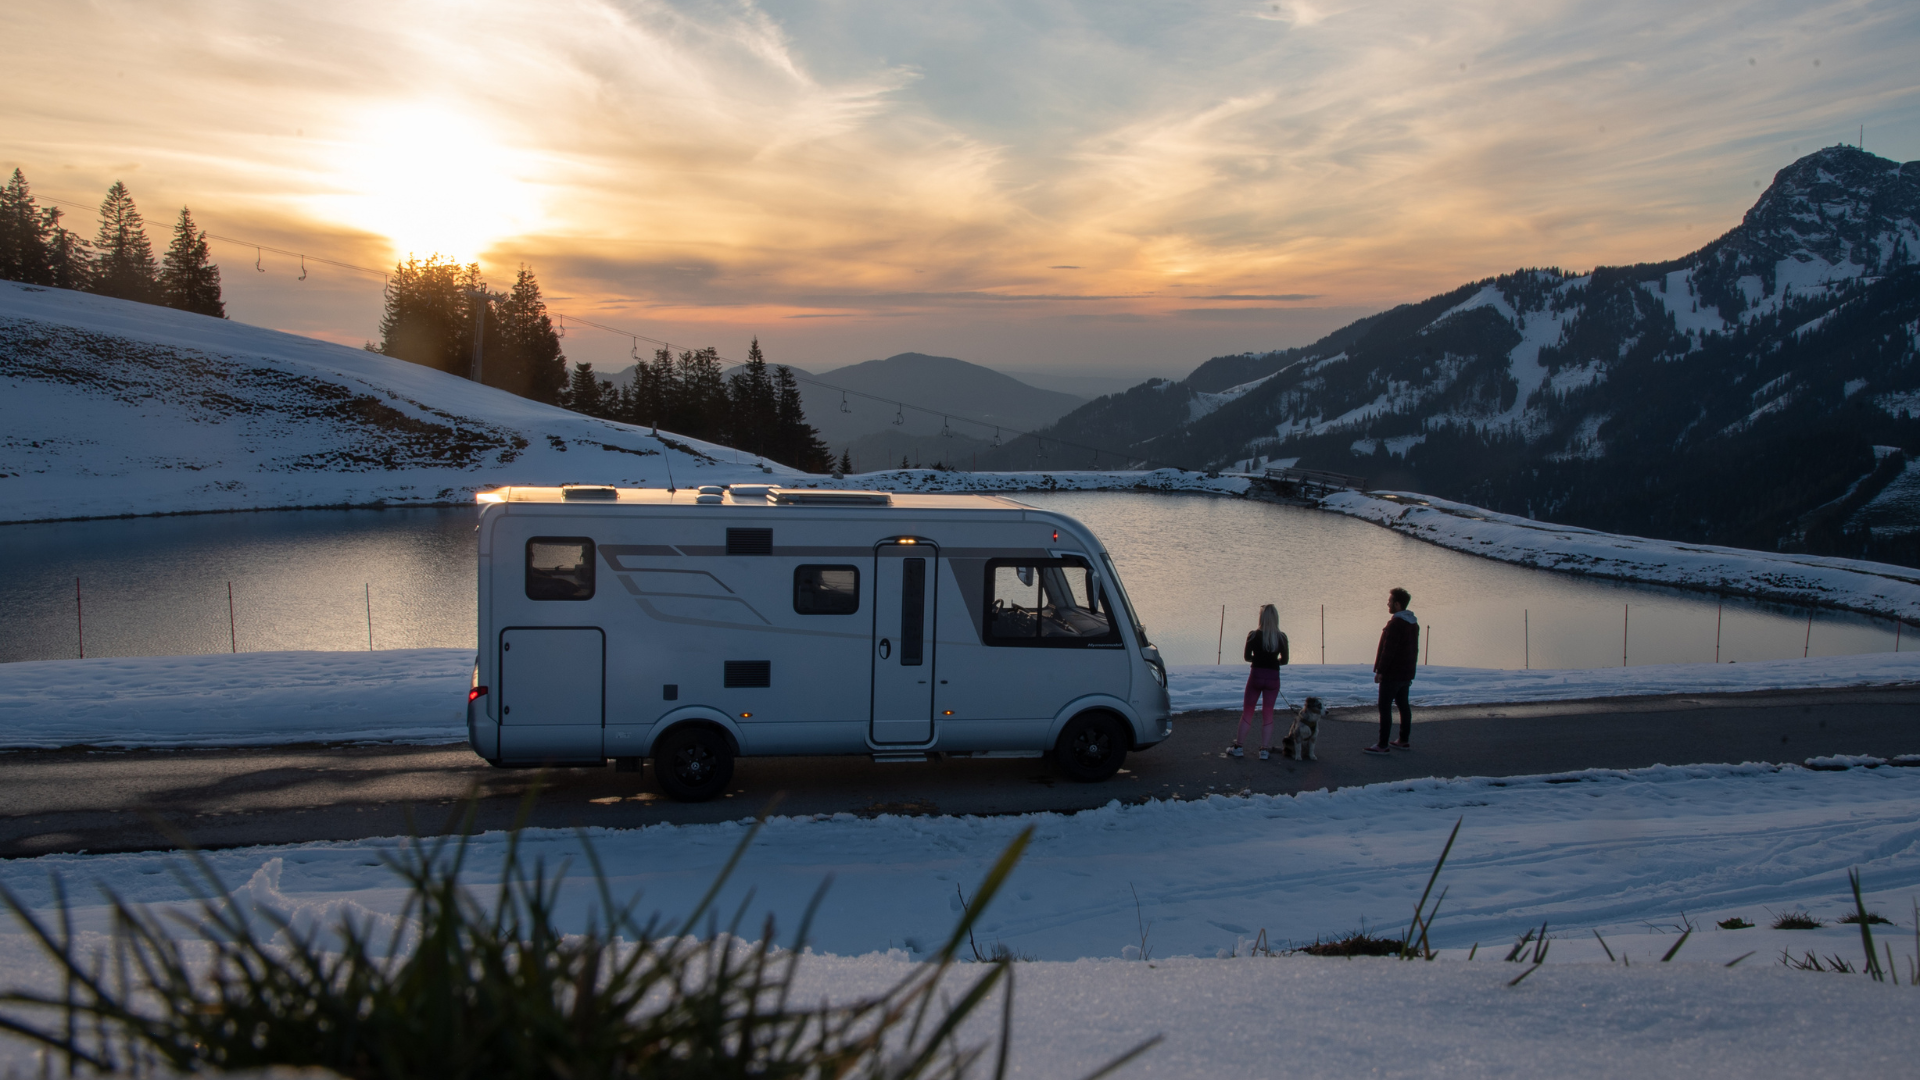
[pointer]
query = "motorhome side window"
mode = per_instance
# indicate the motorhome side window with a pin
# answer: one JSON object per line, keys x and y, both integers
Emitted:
{"x": 1050, "y": 602}
{"x": 826, "y": 590}
{"x": 560, "y": 568}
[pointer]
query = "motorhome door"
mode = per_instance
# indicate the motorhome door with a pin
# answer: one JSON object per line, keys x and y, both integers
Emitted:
{"x": 552, "y": 693}
{"x": 903, "y": 599}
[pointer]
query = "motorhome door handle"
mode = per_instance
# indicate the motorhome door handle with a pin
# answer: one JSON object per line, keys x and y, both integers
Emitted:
{"x": 886, "y": 648}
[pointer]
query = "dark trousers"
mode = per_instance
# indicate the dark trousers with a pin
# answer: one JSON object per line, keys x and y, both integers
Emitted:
{"x": 1391, "y": 694}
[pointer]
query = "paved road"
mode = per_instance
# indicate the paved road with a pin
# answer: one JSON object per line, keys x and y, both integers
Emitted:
{"x": 139, "y": 800}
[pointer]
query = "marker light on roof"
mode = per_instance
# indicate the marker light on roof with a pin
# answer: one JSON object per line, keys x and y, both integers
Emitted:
{"x": 1056, "y": 534}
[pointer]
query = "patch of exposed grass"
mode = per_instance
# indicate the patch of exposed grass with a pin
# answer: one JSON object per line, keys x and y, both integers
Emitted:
{"x": 1355, "y": 943}
{"x": 1871, "y": 918}
{"x": 1796, "y": 919}
{"x": 1735, "y": 923}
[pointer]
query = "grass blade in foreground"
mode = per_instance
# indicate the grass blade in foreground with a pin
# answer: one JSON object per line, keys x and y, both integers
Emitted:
{"x": 465, "y": 990}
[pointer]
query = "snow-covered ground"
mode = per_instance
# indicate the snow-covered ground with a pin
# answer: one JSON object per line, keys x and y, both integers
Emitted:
{"x": 237, "y": 699}
{"x": 1853, "y": 584}
{"x": 1633, "y": 855}
{"x": 1219, "y": 686}
{"x": 418, "y": 696}
{"x": 108, "y": 407}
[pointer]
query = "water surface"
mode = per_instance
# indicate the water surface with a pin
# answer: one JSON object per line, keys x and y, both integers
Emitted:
{"x": 310, "y": 580}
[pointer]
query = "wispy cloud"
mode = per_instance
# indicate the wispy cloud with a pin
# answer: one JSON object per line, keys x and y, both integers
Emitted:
{"x": 722, "y": 163}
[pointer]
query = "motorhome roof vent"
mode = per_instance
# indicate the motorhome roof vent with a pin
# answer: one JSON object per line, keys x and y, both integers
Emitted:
{"x": 832, "y": 498}
{"x": 712, "y": 489}
{"x": 582, "y": 491}
{"x": 750, "y": 490}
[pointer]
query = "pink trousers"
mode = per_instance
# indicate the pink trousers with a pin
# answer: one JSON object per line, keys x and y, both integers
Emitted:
{"x": 1263, "y": 686}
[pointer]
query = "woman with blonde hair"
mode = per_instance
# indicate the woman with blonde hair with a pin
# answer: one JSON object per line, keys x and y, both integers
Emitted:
{"x": 1266, "y": 650}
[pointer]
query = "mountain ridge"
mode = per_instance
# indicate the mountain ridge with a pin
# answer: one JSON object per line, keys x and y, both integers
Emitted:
{"x": 1735, "y": 394}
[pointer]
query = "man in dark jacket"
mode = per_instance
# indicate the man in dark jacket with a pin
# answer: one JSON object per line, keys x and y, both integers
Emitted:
{"x": 1393, "y": 665}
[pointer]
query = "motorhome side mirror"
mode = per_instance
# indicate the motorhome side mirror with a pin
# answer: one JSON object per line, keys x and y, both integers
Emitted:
{"x": 1025, "y": 574}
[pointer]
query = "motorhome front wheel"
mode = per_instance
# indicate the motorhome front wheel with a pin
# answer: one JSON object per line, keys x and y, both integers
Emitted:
{"x": 693, "y": 763}
{"x": 1091, "y": 747}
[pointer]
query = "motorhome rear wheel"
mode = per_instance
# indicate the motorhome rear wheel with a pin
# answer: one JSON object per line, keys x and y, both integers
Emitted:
{"x": 693, "y": 763}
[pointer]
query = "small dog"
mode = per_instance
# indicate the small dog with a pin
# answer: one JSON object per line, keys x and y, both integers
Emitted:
{"x": 1298, "y": 743}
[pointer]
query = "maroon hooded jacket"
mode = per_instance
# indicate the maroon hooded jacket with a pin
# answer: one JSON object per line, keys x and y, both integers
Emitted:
{"x": 1399, "y": 648}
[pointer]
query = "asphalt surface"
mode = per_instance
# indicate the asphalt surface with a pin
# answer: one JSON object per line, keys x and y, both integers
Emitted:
{"x": 100, "y": 801}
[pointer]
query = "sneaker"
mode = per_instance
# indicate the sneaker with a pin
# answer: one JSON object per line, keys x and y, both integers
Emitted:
{"x": 1401, "y": 744}
{"x": 1378, "y": 750}
{"x": 1235, "y": 751}
{"x": 1263, "y": 755}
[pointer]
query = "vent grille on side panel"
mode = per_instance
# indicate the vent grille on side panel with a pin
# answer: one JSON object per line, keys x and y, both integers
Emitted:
{"x": 749, "y": 541}
{"x": 749, "y": 674}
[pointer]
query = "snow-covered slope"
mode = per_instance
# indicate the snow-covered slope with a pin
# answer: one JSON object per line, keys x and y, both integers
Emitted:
{"x": 109, "y": 407}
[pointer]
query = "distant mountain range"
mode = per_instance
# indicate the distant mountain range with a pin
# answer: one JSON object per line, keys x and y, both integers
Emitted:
{"x": 880, "y": 435}
{"x": 1760, "y": 392}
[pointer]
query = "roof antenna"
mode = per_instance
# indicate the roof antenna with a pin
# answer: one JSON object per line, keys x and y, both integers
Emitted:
{"x": 668, "y": 458}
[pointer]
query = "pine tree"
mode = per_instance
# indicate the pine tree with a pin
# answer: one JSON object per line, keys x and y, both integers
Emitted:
{"x": 583, "y": 394}
{"x": 699, "y": 406}
{"x": 529, "y": 361}
{"x": 123, "y": 264}
{"x": 752, "y": 405}
{"x": 429, "y": 315}
{"x": 797, "y": 441}
{"x": 69, "y": 263}
{"x": 188, "y": 279}
{"x": 24, "y": 255}
{"x": 846, "y": 462}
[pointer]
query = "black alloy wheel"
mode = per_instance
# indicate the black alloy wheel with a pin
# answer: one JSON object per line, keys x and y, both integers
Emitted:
{"x": 1091, "y": 747}
{"x": 693, "y": 763}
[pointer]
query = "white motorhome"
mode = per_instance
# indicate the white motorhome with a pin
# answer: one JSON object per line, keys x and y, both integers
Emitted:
{"x": 692, "y": 627}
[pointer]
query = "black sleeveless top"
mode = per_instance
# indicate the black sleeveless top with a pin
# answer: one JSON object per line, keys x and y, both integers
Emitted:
{"x": 1260, "y": 657}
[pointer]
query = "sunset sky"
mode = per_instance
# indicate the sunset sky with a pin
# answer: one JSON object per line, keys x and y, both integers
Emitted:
{"x": 1101, "y": 187}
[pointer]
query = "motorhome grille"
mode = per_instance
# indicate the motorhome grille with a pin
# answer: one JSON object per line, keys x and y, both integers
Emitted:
{"x": 749, "y": 541}
{"x": 749, "y": 674}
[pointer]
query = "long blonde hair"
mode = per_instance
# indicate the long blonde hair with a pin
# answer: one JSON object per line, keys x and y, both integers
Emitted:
{"x": 1269, "y": 628}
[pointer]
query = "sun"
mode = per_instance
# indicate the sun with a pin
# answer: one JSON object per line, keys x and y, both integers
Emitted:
{"x": 433, "y": 181}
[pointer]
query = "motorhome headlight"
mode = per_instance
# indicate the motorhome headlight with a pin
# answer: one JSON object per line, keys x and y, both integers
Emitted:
{"x": 1158, "y": 668}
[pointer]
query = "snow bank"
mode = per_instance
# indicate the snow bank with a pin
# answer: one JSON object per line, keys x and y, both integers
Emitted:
{"x": 417, "y": 696}
{"x": 1624, "y": 853}
{"x": 1219, "y": 686}
{"x": 237, "y": 699}
{"x": 111, "y": 408}
{"x": 1853, "y": 584}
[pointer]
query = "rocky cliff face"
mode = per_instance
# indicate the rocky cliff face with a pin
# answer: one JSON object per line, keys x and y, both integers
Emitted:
{"x": 1760, "y": 391}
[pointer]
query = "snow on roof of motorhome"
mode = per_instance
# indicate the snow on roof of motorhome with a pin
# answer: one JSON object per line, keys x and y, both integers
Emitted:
{"x": 755, "y": 495}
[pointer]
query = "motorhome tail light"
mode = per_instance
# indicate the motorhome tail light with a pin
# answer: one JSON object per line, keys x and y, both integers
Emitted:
{"x": 476, "y": 693}
{"x": 1056, "y": 534}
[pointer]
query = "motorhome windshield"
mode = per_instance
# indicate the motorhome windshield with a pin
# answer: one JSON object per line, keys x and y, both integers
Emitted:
{"x": 1126, "y": 602}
